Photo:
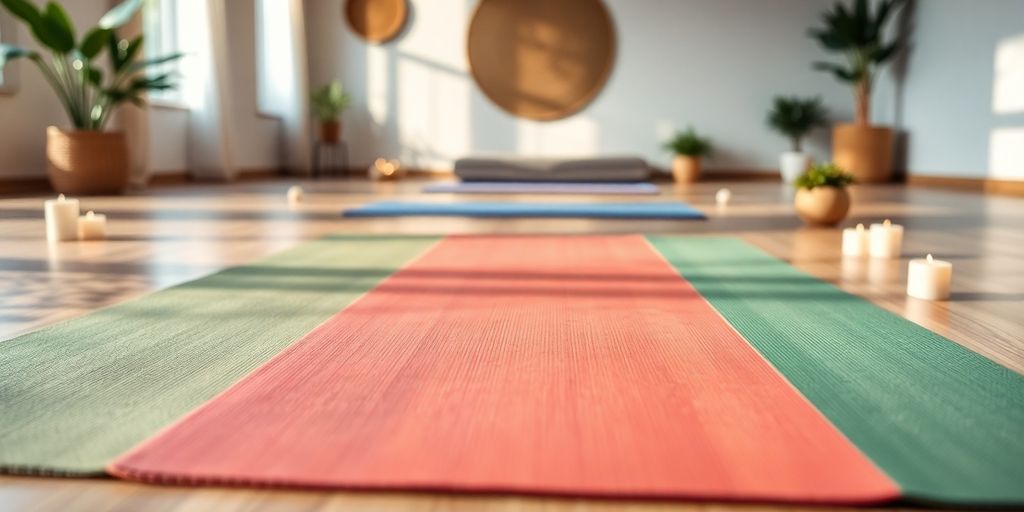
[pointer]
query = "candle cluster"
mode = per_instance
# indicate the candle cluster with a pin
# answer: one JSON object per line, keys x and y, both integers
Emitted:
{"x": 64, "y": 221}
{"x": 927, "y": 278}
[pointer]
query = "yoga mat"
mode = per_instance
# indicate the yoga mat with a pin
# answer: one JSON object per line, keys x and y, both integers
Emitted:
{"x": 552, "y": 365}
{"x": 544, "y": 210}
{"x": 76, "y": 395}
{"x": 529, "y": 187}
{"x": 947, "y": 424}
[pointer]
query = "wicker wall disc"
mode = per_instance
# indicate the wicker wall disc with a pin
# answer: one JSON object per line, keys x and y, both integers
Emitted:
{"x": 376, "y": 21}
{"x": 541, "y": 59}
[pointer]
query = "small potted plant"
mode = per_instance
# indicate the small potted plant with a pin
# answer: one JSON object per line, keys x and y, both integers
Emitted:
{"x": 86, "y": 159}
{"x": 328, "y": 103}
{"x": 688, "y": 148}
{"x": 857, "y": 32}
{"x": 821, "y": 196}
{"x": 795, "y": 118}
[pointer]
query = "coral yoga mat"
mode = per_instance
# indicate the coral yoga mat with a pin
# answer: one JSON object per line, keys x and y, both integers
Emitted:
{"x": 551, "y": 365}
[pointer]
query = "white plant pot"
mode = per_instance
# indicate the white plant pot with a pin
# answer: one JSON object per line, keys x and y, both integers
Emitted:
{"x": 792, "y": 164}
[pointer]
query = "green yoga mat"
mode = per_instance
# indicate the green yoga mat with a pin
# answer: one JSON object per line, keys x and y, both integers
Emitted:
{"x": 76, "y": 395}
{"x": 945, "y": 423}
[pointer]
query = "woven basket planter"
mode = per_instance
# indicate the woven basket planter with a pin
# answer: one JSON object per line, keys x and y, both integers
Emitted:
{"x": 84, "y": 162}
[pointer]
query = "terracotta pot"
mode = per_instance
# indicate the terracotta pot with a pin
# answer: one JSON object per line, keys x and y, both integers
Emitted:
{"x": 792, "y": 164}
{"x": 864, "y": 150}
{"x": 330, "y": 132}
{"x": 87, "y": 162}
{"x": 686, "y": 169}
{"x": 822, "y": 206}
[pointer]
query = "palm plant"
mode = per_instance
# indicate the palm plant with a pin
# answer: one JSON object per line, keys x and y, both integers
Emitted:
{"x": 329, "y": 101}
{"x": 794, "y": 117}
{"x": 688, "y": 143}
{"x": 88, "y": 91}
{"x": 857, "y": 33}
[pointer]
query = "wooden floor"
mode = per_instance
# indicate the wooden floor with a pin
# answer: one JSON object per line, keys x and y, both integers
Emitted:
{"x": 170, "y": 235}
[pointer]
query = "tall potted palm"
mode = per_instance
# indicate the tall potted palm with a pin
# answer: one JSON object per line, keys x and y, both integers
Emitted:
{"x": 795, "y": 118}
{"x": 857, "y": 32}
{"x": 86, "y": 159}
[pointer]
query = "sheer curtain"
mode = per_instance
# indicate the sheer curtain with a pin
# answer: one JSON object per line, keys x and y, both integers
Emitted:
{"x": 206, "y": 85}
{"x": 283, "y": 77}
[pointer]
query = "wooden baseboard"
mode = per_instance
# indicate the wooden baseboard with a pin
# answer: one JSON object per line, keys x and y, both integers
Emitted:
{"x": 18, "y": 186}
{"x": 660, "y": 175}
{"x": 984, "y": 185}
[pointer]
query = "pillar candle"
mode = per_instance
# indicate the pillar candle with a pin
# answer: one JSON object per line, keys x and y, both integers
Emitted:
{"x": 886, "y": 240}
{"x": 929, "y": 278}
{"x": 723, "y": 196}
{"x": 855, "y": 241}
{"x": 92, "y": 226}
{"x": 61, "y": 219}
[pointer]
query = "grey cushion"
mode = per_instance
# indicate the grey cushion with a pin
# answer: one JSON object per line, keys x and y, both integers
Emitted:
{"x": 552, "y": 169}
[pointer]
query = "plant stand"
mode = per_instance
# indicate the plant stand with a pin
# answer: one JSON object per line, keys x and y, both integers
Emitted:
{"x": 328, "y": 155}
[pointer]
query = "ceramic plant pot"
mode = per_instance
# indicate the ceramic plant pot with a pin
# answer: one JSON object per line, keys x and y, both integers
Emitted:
{"x": 822, "y": 206}
{"x": 792, "y": 164}
{"x": 87, "y": 162}
{"x": 686, "y": 169}
{"x": 864, "y": 150}
{"x": 330, "y": 131}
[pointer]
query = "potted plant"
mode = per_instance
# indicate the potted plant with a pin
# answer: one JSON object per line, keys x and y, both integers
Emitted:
{"x": 795, "y": 117}
{"x": 858, "y": 33}
{"x": 688, "y": 148}
{"x": 821, "y": 196}
{"x": 86, "y": 159}
{"x": 328, "y": 103}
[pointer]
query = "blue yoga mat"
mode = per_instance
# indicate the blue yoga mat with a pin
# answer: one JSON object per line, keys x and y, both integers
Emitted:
{"x": 673, "y": 210}
{"x": 525, "y": 187}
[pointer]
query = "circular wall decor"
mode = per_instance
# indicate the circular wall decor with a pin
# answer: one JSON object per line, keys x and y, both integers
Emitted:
{"x": 376, "y": 21}
{"x": 541, "y": 59}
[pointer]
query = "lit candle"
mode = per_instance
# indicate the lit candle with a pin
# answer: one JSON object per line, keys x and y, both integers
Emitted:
{"x": 723, "y": 196}
{"x": 929, "y": 278}
{"x": 294, "y": 195}
{"x": 61, "y": 219}
{"x": 886, "y": 240}
{"x": 92, "y": 226}
{"x": 855, "y": 241}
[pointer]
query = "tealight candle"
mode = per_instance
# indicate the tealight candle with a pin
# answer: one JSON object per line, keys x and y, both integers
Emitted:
{"x": 723, "y": 196}
{"x": 855, "y": 241}
{"x": 92, "y": 226}
{"x": 294, "y": 194}
{"x": 886, "y": 240}
{"x": 929, "y": 278}
{"x": 61, "y": 218}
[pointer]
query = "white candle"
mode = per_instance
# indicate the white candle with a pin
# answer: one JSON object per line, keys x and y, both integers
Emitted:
{"x": 294, "y": 194}
{"x": 723, "y": 196}
{"x": 855, "y": 241}
{"x": 929, "y": 278}
{"x": 61, "y": 219}
{"x": 886, "y": 240}
{"x": 92, "y": 226}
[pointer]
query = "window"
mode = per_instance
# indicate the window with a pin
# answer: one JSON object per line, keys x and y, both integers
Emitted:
{"x": 273, "y": 56}
{"x": 163, "y": 37}
{"x": 8, "y": 78}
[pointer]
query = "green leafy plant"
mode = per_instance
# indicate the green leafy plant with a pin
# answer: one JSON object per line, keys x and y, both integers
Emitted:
{"x": 796, "y": 117}
{"x": 88, "y": 91}
{"x": 824, "y": 175}
{"x": 688, "y": 143}
{"x": 857, "y": 33}
{"x": 330, "y": 101}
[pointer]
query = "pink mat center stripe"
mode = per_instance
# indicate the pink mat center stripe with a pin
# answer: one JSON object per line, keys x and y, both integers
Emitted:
{"x": 551, "y": 365}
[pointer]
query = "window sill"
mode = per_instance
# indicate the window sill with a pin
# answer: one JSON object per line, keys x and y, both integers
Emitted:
{"x": 168, "y": 105}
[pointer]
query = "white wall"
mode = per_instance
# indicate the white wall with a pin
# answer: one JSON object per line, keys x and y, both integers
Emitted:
{"x": 713, "y": 63}
{"x": 963, "y": 104}
{"x": 25, "y": 115}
